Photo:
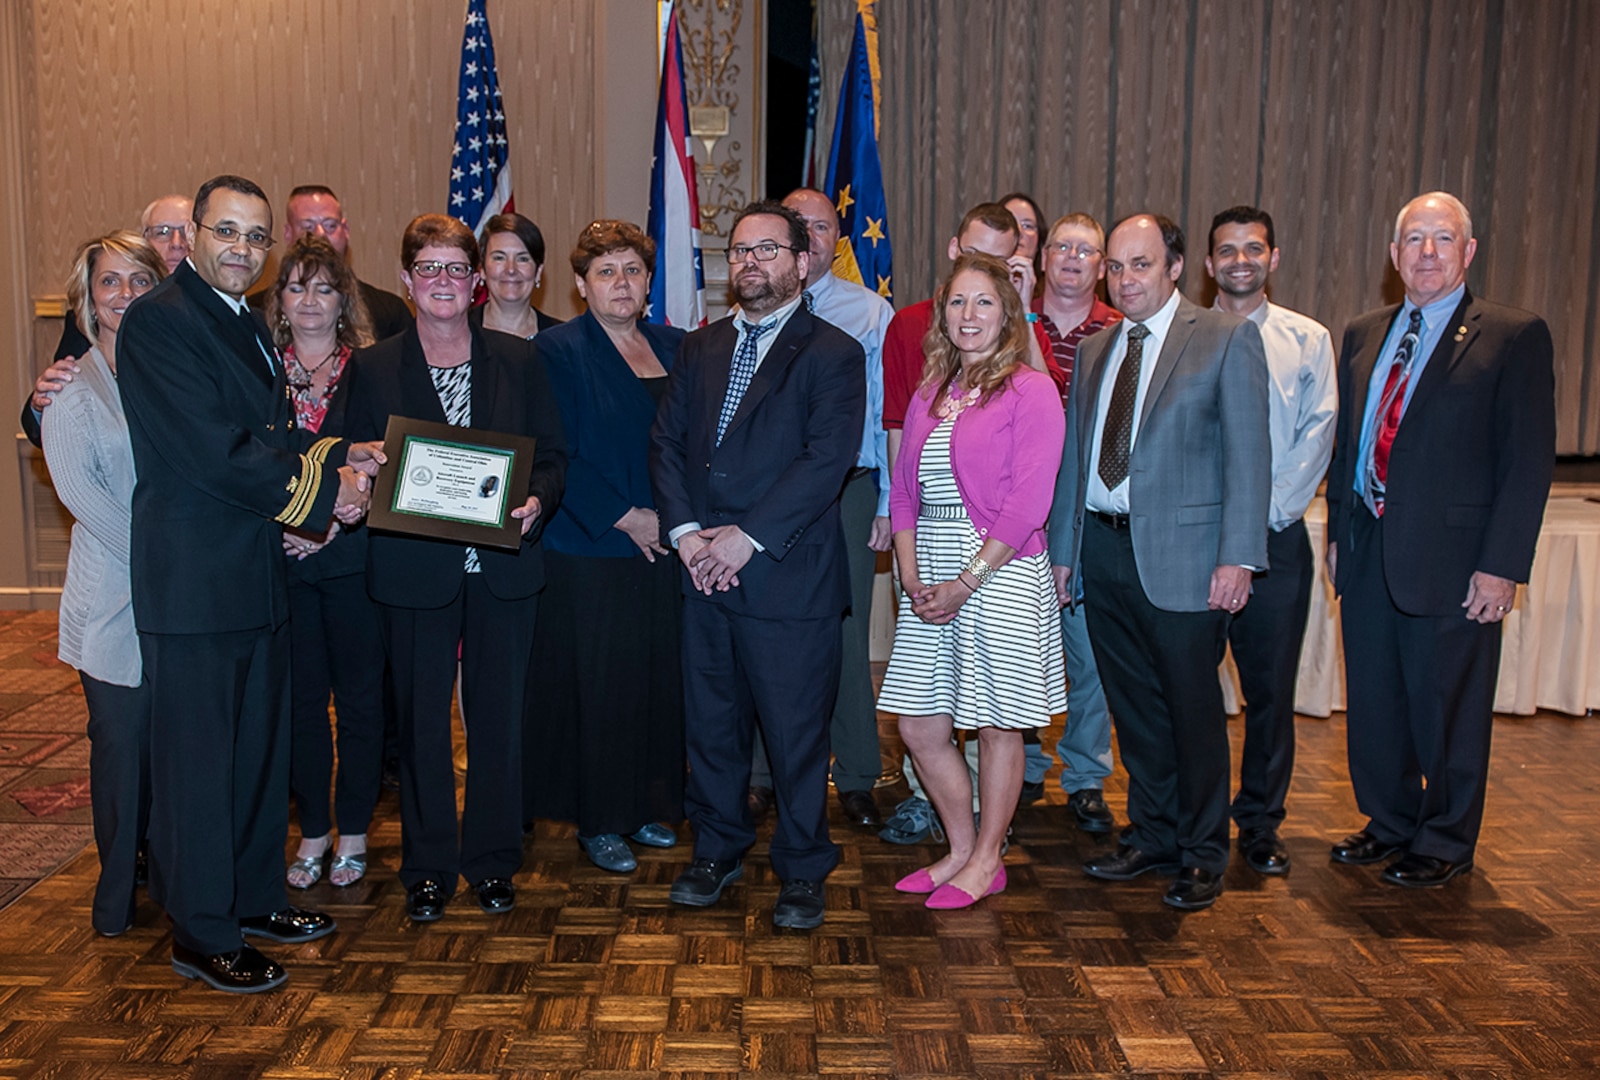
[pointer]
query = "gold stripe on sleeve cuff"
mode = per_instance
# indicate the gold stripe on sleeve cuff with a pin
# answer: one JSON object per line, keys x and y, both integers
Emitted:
{"x": 302, "y": 491}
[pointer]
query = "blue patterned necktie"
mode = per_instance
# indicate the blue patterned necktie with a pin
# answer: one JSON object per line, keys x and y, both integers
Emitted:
{"x": 740, "y": 374}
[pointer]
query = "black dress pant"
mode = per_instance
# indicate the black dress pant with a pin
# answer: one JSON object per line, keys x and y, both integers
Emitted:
{"x": 1266, "y": 637}
{"x": 495, "y": 638}
{"x": 219, "y": 768}
{"x": 1159, "y": 669}
{"x": 1420, "y": 693}
{"x": 735, "y": 668}
{"x": 335, "y": 646}
{"x": 119, "y": 792}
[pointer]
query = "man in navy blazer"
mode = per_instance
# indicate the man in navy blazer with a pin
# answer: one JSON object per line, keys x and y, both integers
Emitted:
{"x": 749, "y": 453}
{"x": 1436, "y": 493}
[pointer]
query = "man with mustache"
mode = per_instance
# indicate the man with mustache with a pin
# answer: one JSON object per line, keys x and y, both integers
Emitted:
{"x": 750, "y": 450}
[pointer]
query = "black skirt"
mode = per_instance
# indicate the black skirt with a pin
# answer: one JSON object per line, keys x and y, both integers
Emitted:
{"x": 604, "y": 738}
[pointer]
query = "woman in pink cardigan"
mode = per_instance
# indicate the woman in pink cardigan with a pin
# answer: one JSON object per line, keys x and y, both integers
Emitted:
{"x": 977, "y": 645}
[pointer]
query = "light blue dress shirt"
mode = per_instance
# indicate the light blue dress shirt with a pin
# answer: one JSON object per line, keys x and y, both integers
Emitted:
{"x": 1435, "y": 321}
{"x": 864, "y": 315}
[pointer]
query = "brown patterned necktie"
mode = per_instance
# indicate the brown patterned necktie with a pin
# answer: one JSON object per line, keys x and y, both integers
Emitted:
{"x": 1117, "y": 440}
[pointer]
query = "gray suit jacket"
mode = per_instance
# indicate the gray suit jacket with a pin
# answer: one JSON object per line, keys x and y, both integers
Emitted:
{"x": 1201, "y": 472}
{"x": 91, "y": 464}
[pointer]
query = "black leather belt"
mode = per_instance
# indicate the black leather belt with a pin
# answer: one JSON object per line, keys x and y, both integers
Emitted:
{"x": 1116, "y": 521}
{"x": 856, "y": 473}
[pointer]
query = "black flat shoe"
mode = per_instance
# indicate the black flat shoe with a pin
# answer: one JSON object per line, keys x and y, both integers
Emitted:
{"x": 800, "y": 906}
{"x": 425, "y": 901}
{"x": 1089, "y": 807}
{"x": 242, "y": 971}
{"x": 701, "y": 885}
{"x": 861, "y": 809}
{"x": 760, "y": 800}
{"x": 1195, "y": 889}
{"x": 496, "y": 895}
{"x": 1415, "y": 871}
{"x": 1128, "y": 862}
{"x": 1361, "y": 849}
{"x": 1032, "y": 792}
{"x": 1264, "y": 851}
{"x": 291, "y": 926}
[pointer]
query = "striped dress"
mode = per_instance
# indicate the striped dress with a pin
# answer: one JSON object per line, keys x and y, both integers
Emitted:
{"x": 999, "y": 662}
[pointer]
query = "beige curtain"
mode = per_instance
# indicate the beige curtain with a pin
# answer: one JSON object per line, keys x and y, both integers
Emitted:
{"x": 1329, "y": 114}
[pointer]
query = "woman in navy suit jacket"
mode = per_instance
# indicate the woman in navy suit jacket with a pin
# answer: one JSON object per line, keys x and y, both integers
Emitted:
{"x": 605, "y": 728}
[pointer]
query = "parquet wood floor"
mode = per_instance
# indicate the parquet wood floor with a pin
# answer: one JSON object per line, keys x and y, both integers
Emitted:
{"x": 1325, "y": 974}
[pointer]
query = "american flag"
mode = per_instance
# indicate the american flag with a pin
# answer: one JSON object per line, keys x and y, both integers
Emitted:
{"x": 480, "y": 162}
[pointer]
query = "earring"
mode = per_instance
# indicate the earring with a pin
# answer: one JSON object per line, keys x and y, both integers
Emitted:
{"x": 340, "y": 324}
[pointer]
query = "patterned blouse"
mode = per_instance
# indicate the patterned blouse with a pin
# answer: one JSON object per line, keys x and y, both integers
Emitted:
{"x": 309, "y": 410}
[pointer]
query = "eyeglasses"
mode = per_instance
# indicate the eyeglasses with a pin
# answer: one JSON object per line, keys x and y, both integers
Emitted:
{"x": 764, "y": 252}
{"x": 162, "y": 232}
{"x": 326, "y": 225}
{"x": 459, "y": 271}
{"x": 230, "y": 235}
{"x": 1081, "y": 251}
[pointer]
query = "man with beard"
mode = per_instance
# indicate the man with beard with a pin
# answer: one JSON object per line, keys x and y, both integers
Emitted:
{"x": 749, "y": 453}
{"x": 1266, "y": 634}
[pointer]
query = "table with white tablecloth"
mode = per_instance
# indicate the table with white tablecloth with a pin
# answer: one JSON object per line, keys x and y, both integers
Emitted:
{"x": 1550, "y": 658}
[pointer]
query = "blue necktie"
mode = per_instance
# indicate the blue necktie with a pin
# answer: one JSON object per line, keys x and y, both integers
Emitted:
{"x": 740, "y": 374}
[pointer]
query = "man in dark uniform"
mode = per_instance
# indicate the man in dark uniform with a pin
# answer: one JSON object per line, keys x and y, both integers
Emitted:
{"x": 222, "y": 469}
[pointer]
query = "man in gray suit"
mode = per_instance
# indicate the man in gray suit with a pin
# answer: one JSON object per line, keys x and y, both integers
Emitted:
{"x": 1160, "y": 518}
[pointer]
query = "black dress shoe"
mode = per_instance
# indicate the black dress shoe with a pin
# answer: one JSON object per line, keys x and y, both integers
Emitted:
{"x": 1264, "y": 851}
{"x": 760, "y": 801}
{"x": 861, "y": 809}
{"x": 701, "y": 885}
{"x": 799, "y": 906}
{"x": 1194, "y": 889}
{"x": 291, "y": 926}
{"x": 1362, "y": 849}
{"x": 1128, "y": 862}
{"x": 425, "y": 900}
{"x": 496, "y": 895}
{"x": 1032, "y": 791}
{"x": 242, "y": 971}
{"x": 1424, "y": 871}
{"x": 1089, "y": 807}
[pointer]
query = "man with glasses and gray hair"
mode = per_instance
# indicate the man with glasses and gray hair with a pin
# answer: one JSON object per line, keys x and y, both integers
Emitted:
{"x": 314, "y": 210}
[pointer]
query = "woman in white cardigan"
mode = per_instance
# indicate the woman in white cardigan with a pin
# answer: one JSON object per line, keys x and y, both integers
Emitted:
{"x": 85, "y": 439}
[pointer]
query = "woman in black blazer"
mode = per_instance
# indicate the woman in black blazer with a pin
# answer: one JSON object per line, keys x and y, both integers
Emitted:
{"x": 435, "y": 596}
{"x": 513, "y": 266}
{"x": 606, "y": 700}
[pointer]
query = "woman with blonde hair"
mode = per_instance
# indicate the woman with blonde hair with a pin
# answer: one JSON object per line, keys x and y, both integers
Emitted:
{"x": 977, "y": 645}
{"x": 85, "y": 439}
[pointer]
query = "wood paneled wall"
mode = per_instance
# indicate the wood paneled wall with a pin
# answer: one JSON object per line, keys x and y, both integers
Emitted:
{"x": 136, "y": 98}
{"x": 1329, "y": 114}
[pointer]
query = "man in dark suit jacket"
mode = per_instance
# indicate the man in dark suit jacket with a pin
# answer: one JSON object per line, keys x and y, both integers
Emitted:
{"x": 749, "y": 453}
{"x": 313, "y": 209}
{"x": 222, "y": 469}
{"x": 1160, "y": 518}
{"x": 1435, "y": 497}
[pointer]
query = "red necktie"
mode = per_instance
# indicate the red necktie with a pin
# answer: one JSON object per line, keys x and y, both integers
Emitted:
{"x": 1393, "y": 404}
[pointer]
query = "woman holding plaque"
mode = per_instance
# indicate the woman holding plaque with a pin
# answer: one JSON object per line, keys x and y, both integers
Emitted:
{"x": 513, "y": 266}
{"x": 605, "y": 718}
{"x": 318, "y": 320}
{"x": 437, "y": 596}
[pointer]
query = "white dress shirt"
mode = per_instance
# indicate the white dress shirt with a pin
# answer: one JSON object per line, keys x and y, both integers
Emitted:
{"x": 1303, "y": 403}
{"x": 775, "y": 319}
{"x": 1097, "y": 497}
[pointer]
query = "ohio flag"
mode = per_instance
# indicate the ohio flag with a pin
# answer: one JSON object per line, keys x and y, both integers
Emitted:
{"x": 678, "y": 290}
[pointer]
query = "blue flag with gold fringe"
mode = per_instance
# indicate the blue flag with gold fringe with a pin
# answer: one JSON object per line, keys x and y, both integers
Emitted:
{"x": 855, "y": 175}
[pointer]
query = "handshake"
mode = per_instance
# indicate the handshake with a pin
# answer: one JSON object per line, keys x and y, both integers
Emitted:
{"x": 355, "y": 481}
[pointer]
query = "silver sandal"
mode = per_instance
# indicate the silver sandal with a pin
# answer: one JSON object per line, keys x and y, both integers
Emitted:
{"x": 356, "y": 862}
{"x": 311, "y": 866}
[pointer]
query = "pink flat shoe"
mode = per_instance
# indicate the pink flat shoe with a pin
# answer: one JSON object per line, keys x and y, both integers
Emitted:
{"x": 919, "y": 881}
{"x": 948, "y": 897}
